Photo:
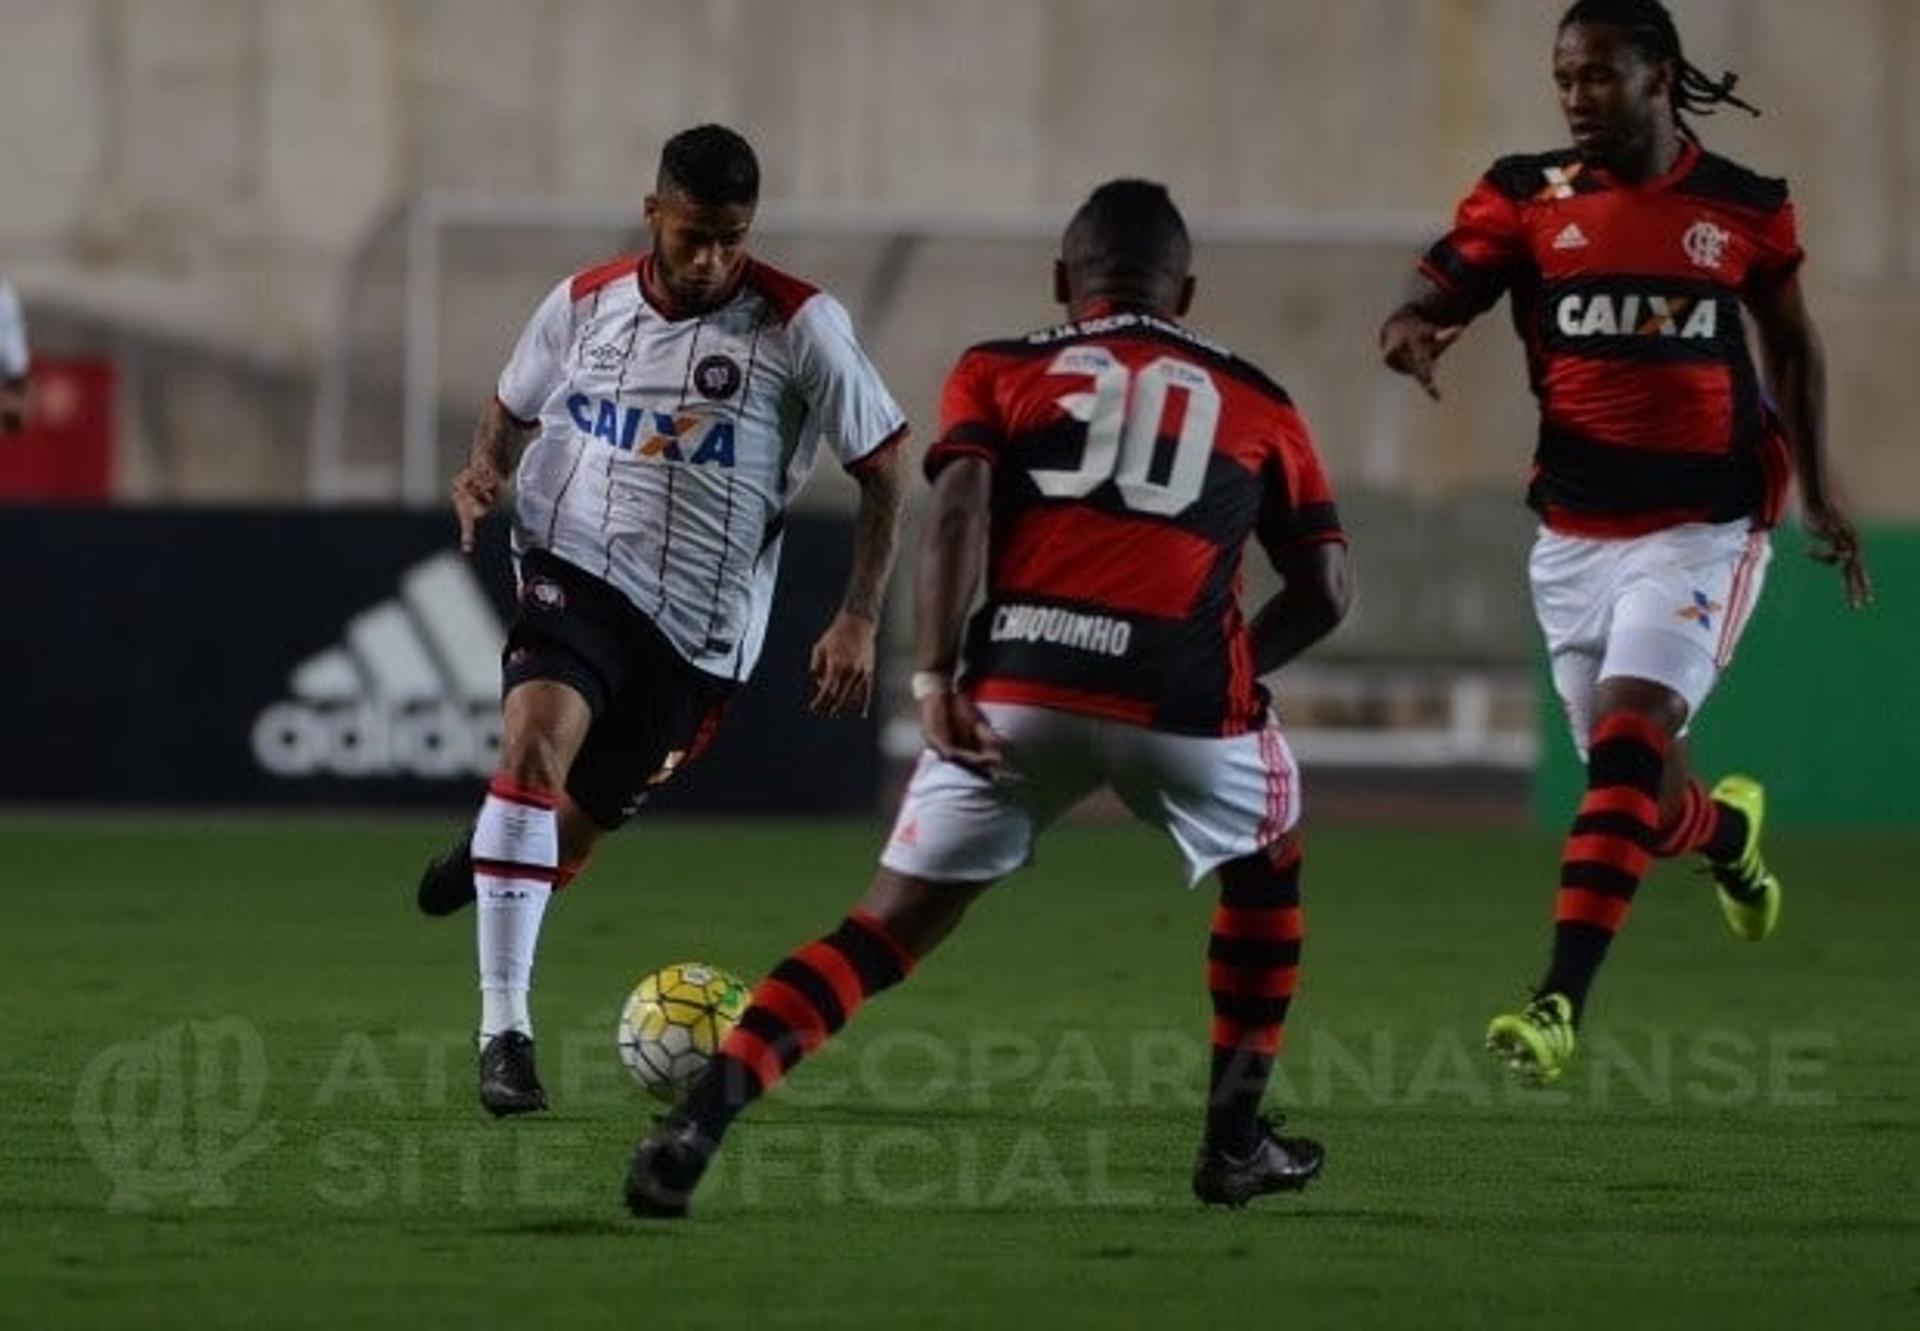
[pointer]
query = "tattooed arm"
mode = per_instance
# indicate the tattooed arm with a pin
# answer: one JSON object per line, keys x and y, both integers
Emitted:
{"x": 497, "y": 443}
{"x": 842, "y": 665}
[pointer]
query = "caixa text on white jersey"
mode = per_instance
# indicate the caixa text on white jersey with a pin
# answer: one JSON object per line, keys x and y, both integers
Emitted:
{"x": 691, "y": 437}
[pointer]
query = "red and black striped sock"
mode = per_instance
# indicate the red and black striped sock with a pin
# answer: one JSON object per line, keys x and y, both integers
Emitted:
{"x": 1609, "y": 849}
{"x": 1253, "y": 958}
{"x": 808, "y": 997}
{"x": 1716, "y": 830}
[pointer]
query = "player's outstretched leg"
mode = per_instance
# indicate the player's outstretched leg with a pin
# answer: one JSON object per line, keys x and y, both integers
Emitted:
{"x": 516, "y": 852}
{"x": 808, "y": 996}
{"x": 1605, "y": 857}
{"x": 1253, "y": 958}
{"x": 1723, "y": 826}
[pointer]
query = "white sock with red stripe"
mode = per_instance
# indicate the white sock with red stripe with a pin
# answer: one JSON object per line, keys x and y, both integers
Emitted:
{"x": 516, "y": 855}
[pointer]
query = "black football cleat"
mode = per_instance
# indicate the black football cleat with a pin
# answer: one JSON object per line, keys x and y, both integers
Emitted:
{"x": 666, "y": 1168}
{"x": 446, "y": 884}
{"x": 1275, "y": 1164}
{"x": 508, "y": 1083}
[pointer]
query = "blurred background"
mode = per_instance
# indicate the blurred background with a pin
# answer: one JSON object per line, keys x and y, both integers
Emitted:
{"x": 272, "y": 254}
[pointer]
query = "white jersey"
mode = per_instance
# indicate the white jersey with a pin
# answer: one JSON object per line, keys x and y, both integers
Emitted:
{"x": 13, "y": 336}
{"x": 669, "y": 447}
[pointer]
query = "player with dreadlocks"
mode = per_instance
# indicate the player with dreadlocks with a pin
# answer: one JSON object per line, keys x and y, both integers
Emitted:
{"x": 1661, "y": 463}
{"x": 1649, "y": 29}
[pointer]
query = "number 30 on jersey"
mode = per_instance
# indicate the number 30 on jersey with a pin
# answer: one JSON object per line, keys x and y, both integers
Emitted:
{"x": 1124, "y": 412}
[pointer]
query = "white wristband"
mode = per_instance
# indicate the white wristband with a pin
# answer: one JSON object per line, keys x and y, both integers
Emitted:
{"x": 926, "y": 683}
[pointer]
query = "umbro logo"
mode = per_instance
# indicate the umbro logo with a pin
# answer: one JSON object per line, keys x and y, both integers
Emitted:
{"x": 1571, "y": 237}
{"x": 605, "y": 357}
{"x": 411, "y": 690}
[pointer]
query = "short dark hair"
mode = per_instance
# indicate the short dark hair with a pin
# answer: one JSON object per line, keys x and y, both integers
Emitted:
{"x": 1651, "y": 31}
{"x": 711, "y": 165}
{"x": 1127, "y": 233}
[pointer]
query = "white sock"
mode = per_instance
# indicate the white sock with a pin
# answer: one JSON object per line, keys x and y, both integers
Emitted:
{"x": 516, "y": 852}
{"x": 503, "y": 1010}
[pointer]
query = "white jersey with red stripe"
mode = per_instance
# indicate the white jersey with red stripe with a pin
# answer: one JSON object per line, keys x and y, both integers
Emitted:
{"x": 670, "y": 445}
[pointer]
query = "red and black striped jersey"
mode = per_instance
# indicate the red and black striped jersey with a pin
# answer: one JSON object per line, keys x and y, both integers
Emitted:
{"x": 1628, "y": 298}
{"x": 1132, "y": 461}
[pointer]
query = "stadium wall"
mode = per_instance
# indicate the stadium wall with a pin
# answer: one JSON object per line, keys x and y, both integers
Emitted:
{"x": 204, "y": 172}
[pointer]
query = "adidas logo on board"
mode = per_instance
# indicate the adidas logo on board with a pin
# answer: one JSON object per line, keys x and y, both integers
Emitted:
{"x": 413, "y": 688}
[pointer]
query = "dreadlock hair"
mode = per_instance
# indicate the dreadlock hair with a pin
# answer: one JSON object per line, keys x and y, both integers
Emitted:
{"x": 1650, "y": 28}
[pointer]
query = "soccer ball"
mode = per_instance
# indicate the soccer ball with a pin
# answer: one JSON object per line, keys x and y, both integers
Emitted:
{"x": 674, "y": 1021}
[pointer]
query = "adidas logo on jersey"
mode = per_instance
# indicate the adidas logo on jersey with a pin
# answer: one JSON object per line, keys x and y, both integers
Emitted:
{"x": 1571, "y": 237}
{"x": 1601, "y": 315}
{"x": 413, "y": 690}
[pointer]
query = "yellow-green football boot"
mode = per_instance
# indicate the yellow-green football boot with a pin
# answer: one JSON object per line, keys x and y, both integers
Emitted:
{"x": 1749, "y": 891}
{"x": 1537, "y": 1041}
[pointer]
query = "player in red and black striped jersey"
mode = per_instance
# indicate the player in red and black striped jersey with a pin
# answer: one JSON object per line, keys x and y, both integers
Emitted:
{"x": 1131, "y": 461}
{"x": 1106, "y": 476}
{"x": 1629, "y": 259}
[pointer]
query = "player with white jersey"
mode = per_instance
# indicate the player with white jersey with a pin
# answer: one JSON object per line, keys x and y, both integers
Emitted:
{"x": 663, "y": 409}
{"x": 14, "y": 363}
{"x": 669, "y": 447}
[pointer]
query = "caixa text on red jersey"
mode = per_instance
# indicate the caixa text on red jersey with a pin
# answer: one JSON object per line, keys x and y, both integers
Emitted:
{"x": 1598, "y": 314}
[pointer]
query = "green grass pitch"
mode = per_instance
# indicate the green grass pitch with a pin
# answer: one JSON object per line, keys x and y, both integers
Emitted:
{"x": 239, "y": 1088}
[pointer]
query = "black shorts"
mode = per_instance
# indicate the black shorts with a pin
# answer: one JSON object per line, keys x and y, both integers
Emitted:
{"x": 652, "y": 712}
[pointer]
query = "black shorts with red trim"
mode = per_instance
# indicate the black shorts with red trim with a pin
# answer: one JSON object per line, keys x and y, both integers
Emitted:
{"x": 652, "y": 712}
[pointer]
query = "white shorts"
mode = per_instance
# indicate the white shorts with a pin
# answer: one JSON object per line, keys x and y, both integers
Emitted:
{"x": 1668, "y": 607}
{"x": 1218, "y": 798}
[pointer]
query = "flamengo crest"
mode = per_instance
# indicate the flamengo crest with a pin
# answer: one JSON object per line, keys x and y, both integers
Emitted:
{"x": 1705, "y": 244}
